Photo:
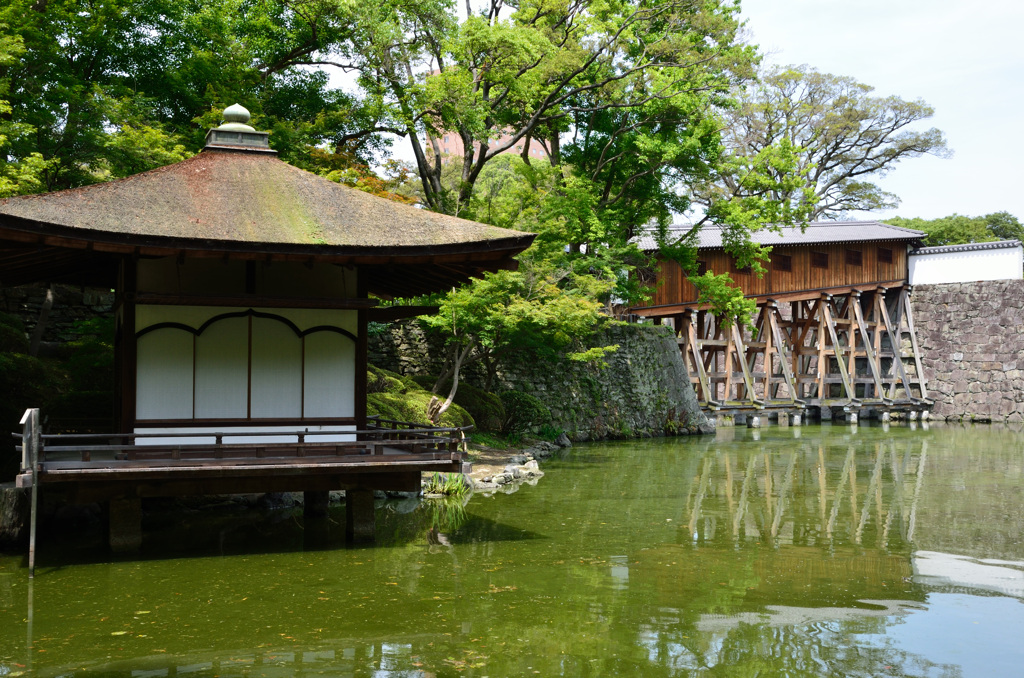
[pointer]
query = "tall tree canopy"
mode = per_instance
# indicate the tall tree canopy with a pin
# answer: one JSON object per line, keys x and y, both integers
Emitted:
{"x": 957, "y": 229}
{"x": 843, "y": 139}
{"x": 634, "y": 102}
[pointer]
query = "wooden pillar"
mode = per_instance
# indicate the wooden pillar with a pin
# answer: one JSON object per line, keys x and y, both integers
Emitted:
{"x": 359, "y": 516}
{"x": 361, "y": 352}
{"x": 125, "y": 518}
{"x": 125, "y": 346}
{"x": 315, "y": 502}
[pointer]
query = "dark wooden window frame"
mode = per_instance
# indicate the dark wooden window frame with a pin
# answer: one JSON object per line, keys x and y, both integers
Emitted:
{"x": 819, "y": 259}
{"x": 782, "y": 262}
{"x": 884, "y": 255}
{"x": 854, "y": 257}
{"x": 746, "y": 270}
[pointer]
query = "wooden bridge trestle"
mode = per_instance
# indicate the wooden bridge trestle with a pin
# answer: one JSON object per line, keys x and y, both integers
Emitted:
{"x": 841, "y": 350}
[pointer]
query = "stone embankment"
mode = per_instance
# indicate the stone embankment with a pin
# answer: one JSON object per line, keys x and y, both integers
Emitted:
{"x": 971, "y": 337}
{"x": 497, "y": 470}
{"x": 70, "y": 305}
{"x": 643, "y": 391}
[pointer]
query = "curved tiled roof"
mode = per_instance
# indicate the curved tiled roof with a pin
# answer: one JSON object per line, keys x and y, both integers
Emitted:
{"x": 816, "y": 233}
{"x": 245, "y": 199}
{"x": 969, "y": 247}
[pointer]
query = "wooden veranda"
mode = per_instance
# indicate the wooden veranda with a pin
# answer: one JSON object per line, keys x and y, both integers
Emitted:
{"x": 124, "y": 468}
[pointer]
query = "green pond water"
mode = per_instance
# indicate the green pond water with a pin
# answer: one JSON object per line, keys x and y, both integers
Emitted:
{"x": 819, "y": 551}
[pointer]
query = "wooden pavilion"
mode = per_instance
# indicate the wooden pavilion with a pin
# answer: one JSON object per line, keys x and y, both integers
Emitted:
{"x": 243, "y": 291}
{"x": 833, "y": 327}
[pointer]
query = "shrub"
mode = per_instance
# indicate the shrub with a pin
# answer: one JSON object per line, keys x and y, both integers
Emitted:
{"x": 88, "y": 360}
{"x": 12, "y": 334}
{"x": 411, "y": 406}
{"x": 523, "y": 412}
{"x": 382, "y": 381}
{"x": 24, "y": 382}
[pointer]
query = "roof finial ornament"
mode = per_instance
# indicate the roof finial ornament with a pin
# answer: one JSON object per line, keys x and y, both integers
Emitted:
{"x": 236, "y": 118}
{"x": 236, "y": 135}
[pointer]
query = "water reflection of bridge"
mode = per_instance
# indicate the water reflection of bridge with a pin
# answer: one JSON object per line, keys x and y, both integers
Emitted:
{"x": 802, "y": 496}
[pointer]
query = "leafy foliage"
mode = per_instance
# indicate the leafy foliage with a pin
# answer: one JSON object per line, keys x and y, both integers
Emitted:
{"x": 840, "y": 137}
{"x": 23, "y": 379}
{"x": 957, "y": 229}
{"x": 446, "y": 484}
{"x": 523, "y": 412}
{"x": 88, "y": 362}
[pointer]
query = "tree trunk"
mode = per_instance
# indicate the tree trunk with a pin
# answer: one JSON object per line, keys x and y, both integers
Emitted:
{"x": 437, "y": 407}
{"x": 44, "y": 317}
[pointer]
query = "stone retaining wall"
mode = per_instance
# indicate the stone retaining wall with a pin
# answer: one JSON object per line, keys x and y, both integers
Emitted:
{"x": 971, "y": 337}
{"x": 70, "y": 304}
{"x": 643, "y": 391}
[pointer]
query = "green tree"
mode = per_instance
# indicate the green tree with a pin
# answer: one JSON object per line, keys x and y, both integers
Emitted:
{"x": 512, "y": 76}
{"x": 529, "y": 309}
{"x": 843, "y": 138}
{"x": 958, "y": 229}
{"x": 1004, "y": 226}
{"x": 17, "y": 175}
{"x": 112, "y": 87}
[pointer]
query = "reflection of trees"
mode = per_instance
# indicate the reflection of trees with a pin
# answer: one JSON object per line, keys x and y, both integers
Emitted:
{"x": 811, "y": 650}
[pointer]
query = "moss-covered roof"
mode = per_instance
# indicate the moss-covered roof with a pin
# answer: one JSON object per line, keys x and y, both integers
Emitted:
{"x": 250, "y": 199}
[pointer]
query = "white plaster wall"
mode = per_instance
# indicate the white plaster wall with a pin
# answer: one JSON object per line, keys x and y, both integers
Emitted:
{"x": 952, "y": 267}
{"x": 290, "y": 377}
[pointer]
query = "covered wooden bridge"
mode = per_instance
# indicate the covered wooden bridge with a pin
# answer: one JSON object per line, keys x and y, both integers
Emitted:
{"x": 834, "y": 325}
{"x": 243, "y": 291}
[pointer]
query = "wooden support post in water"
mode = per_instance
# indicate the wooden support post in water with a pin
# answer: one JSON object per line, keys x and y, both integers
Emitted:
{"x": 315, "y": 503}
{"x": 359, "y": 516}
{"x": 30, "y": 454}
{"x": 125, "y": 529}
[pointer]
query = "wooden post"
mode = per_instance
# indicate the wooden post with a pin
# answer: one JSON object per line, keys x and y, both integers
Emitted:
{"x": 30, "y": 453}
{"x": 315, "y": 503}
{"x": 694, "y": 346}
{"x": 874, "y": 363}
{"x": 897, "y": 354}
{"x": 741, "y": 355}
{"x": 781, "y": 347}
{"x": 359, "y": 515}
{"x": 766, "y": 337}
{"x": 913, "y": 344}
{"x": 837, "y": 349}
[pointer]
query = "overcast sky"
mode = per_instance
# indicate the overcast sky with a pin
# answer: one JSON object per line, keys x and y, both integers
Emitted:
{"x": 964, "y": 58}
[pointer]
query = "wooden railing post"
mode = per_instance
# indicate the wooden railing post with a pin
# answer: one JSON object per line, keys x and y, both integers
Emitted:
{"x": 30, "y": 457}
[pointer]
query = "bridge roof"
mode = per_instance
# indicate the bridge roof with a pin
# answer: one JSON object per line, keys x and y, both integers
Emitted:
{"x": 816, "y": 233}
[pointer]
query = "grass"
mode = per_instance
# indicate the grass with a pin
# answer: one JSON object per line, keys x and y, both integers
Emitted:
{"x": 447, "y": 485}
{"x": 446, "y": 514}
{"x": 497, "y": 441}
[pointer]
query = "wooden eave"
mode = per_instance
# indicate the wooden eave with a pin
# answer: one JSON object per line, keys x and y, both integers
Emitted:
{"x": 32, "y": 251}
